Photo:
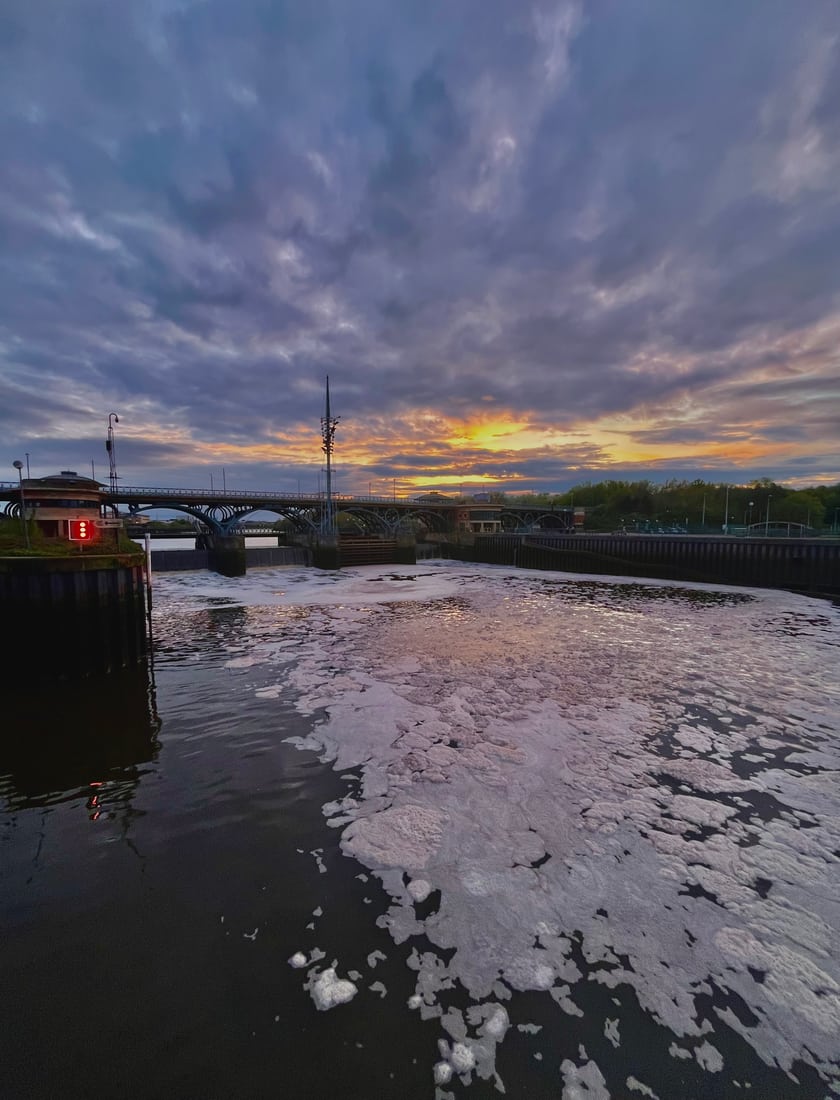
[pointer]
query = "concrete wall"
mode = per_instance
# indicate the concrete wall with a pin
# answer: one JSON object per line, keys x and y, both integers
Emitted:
{"x": 165, "y": 561}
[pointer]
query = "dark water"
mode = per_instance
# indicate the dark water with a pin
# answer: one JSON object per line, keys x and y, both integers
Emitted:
{"x": 147, "y": 834}
{"x": 157, "y": 872}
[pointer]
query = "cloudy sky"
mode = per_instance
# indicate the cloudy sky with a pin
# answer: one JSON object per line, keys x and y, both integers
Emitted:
{"x": 531, "y": 243}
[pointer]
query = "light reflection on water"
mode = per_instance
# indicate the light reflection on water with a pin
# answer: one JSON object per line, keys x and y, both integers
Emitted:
{"x": 152, "y": 828}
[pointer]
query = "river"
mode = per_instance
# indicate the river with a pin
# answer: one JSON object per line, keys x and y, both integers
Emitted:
{"x": 428, "y": 832}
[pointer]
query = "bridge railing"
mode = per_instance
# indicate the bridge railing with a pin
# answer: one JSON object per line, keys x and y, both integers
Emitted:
{"x": 234, "y": 495}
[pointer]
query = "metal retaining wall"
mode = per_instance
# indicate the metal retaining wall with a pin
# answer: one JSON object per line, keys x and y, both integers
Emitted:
{"x": 811, "y": 565}
{"x": 72, "y": 617}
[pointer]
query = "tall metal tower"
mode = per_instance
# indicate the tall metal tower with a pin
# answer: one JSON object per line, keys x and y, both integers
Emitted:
{"x": 328, "y": 425}
{"x": 113, "y": 479}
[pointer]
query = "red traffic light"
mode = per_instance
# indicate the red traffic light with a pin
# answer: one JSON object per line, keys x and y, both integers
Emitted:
{"x": 81, "y": 530}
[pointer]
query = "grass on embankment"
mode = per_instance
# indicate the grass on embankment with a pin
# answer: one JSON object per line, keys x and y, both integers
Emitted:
{"x": 13, "y": 544}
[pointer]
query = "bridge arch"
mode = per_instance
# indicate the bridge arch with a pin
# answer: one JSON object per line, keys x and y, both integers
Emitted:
{"x": 368, "y": 520}
{"x": 223, "y": 519}
{"x": 546, "y": 520}
{"x": 433, "y": 521}
{"x": 202, "y": 515}
{"x": 304, "y": 519}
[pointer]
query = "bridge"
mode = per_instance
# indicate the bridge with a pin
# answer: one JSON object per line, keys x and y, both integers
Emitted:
{"x": 222, "y": 513}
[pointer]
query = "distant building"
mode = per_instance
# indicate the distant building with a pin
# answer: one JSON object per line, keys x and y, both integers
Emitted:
{"x": 433, "y": 498}
{"x": 480, "y": 520}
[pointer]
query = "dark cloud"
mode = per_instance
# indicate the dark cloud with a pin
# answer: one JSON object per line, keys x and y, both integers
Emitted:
{"x": 565, "y": 210}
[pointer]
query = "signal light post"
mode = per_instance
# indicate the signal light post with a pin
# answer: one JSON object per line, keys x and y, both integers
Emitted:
{"x": 81, "y": 530}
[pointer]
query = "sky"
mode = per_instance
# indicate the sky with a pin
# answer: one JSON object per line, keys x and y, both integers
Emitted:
{"x": 532, "y": 244}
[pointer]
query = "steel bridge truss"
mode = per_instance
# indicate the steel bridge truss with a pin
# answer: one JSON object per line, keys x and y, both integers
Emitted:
{"x": 305, "y": 518}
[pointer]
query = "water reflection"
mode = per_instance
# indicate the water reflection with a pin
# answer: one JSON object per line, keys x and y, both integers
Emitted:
{"x": 93, "y": 746}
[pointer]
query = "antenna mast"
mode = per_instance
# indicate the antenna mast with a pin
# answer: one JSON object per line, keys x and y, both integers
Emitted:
{"x": 113, "y": 478}
{"x": 328, "y": 425}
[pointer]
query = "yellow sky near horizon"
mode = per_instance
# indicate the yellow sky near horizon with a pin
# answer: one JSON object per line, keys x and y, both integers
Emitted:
{"x": 430, "y": 449}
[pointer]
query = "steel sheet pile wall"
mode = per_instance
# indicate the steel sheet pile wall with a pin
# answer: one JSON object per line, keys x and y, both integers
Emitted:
{"x": 69, "y": 617}
{"x": 804, "y": 565}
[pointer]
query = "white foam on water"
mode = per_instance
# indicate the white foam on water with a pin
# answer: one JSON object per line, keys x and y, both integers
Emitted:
{"x": 611, "y": 1032}
{"x": 602, "y": 757}
{"x": 328, "y": 990}
{"x": 708, "y": 1057}
{"x": 462, "y": 1058}
{"x": 583, "y": 1082}
{"x": 442, "y": 1073}
{"x": 529, "y": 1029}
{"x": 639, "y": 1086}
{"x": 419, "y": 889}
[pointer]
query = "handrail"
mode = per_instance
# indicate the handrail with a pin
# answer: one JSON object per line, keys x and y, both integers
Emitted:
{"x": 233, "y": 495}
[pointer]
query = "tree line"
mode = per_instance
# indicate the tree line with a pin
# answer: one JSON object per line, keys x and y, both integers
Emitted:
{"x": 691, "y": 504}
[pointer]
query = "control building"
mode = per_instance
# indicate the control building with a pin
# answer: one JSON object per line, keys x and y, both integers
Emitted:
{"x": 64, "y": 505}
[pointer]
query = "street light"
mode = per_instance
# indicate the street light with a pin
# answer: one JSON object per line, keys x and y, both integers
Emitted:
{"x": 767, "y": 519}
{"x": 18, "y": 465}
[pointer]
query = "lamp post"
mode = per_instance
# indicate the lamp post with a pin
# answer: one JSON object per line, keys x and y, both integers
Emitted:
{"x": 18, "y": 465}
{"x": 748, "y": 513}
{"x": 726, "y": 513}
{"x": 767, "y": 518}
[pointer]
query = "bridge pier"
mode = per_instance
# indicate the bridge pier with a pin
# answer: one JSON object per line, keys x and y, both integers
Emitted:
{"x": 226, "y": 554}
{"x": 406, "y": 548}
{"x": 325, "y": 552}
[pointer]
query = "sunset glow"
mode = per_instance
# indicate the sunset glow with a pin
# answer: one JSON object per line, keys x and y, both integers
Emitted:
{"x": 531, "y": 245}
